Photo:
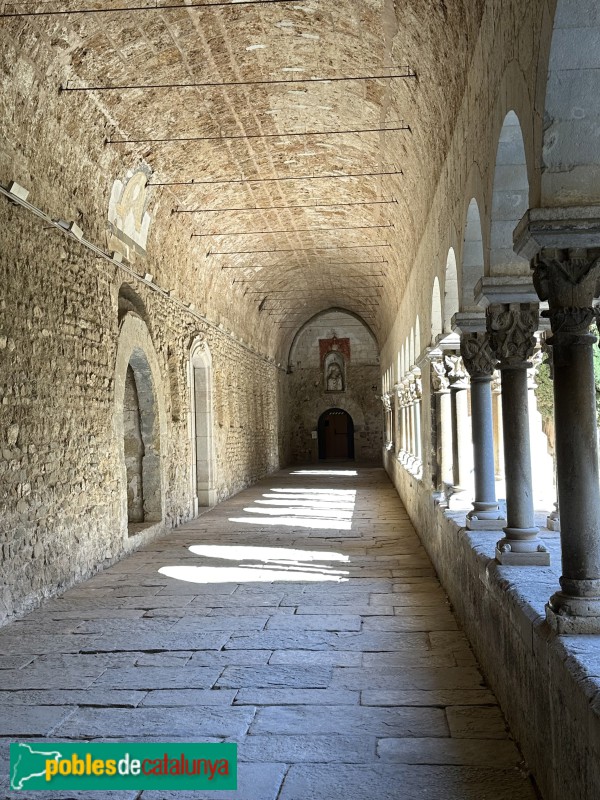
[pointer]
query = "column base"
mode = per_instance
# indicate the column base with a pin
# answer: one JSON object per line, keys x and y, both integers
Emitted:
{"x": 573, "y": 615}
{"x": 522, "y": 547}
{"x": 485, "y": 517}
{"x": 478, "y": 524}
{"x": 553, "y": 523}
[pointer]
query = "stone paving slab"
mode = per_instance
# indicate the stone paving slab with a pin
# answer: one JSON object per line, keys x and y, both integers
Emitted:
{"x": 470, "y": 752}
{"x": 394, "y": 721}
{"x": 255, "y": 782}
{"x": 276, "y": 676}
{"x": 196, "y": 722}
{"x": 408, "y": 782}
{"x": 361, "y": 688}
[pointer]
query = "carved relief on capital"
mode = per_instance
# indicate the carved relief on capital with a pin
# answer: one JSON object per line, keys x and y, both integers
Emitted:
{"x": 386, "y": 399}
{"x": 439, "y": 378}
{"x": 512, "y": 328}
{"x": 569, "y": 280}
{"x": 477, "y": 354}
{"x": 455, "y": 369}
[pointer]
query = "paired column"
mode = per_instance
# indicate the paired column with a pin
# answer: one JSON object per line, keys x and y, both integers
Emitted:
{"x": 479, "y": 362}
{"x": 512, "y": 327}
{"x": 461, "y": 435}
{"x": 440, "y": 386}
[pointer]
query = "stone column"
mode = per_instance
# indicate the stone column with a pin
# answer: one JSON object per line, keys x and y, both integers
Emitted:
{"x": 461, "y": 434}
{"x": 418, "y": 389}
{"x": 479, "y": 361}
{"x": 441, "y": 390}
{"x": 497, "y": 422}
{"x": 512, "y": 328}
{"x": 570, "y": 280}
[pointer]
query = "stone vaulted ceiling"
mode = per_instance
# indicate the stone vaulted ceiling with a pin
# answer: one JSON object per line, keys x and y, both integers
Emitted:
{"x": 350, "y": 241}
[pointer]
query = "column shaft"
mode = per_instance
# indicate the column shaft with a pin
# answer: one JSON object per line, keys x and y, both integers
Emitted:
{"x": 486, "y": 513}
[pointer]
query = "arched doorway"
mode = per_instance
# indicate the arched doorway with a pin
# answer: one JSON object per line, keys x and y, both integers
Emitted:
{"x": 202, "y": 425}
{"x": 336, "y": 434}
{"x": 141, "y": 445}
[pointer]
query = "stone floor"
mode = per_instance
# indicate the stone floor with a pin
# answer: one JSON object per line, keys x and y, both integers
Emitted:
{"x": 301, "y": 619}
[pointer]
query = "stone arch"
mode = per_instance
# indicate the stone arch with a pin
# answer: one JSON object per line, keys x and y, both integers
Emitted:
{"x": 570, "y": 147}
{"x": 411, "y": 348}
{"x": 139, "y": 422}
{"x": 472, "y": 259}
{"x": 130, "y": 301}
{"x": 436, "y": 310}
{"x": 450, "y": 290}
{"x": 510, "y": 198}
{"x": 201, "y": 424}
{"x": 417, "y": 338}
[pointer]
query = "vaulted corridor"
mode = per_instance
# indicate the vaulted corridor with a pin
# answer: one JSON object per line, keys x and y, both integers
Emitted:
{"x": 301, "y": 619}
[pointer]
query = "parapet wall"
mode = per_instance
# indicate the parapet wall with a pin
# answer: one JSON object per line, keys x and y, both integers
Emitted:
{"x": 548, "y": 685}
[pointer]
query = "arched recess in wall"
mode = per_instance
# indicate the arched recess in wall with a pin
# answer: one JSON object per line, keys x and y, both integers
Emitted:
{"x": 314, "y": 319}
{"x": 472, "y": 263}
{"x": 139, "y": 423}
{"x": 436, "y": 310}
{"x": 570, "y": 150}
{"x": 203, "y": 460}
{"x": 450, "y": 290}
{"x": 510, "y": 199}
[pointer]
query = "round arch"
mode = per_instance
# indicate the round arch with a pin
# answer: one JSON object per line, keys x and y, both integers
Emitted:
{"x": 472, "y": 260}
{"x": 450, "y": 290}
{"x": 314, "y": 317}
{"x": 140, "y": 431}
{"x": 436, "y": 310}
{"x": 569, "y": 93}
{"x": 201, "y": 424}
{"x": 510, "y": 198}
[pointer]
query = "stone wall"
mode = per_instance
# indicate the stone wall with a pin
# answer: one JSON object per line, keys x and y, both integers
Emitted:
{"x": 308, "y": 395}
{"x": 63, "y": 493}
{"x": 545, "y": 684}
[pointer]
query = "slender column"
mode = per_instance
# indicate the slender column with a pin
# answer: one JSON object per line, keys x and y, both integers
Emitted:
{"x": 441, "y": 389}
{"x": 553, "y": 519}
{"x": 479, "y": 361}
{"x": 512, "y": 328}
{"x": 497, "y": 422}
{"x": 461, "y": 435}
{"x": 418, "y": 394}
{"x": 570, "y": 280}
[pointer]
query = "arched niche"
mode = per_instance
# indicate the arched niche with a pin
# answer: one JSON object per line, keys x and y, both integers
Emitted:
{"x": 436, "y": 310}
{"x": 139, "y": 424}
{"x": 570, "y": 150}
{"x": 201, "y": 427}
{"x": 450, "y": 290}
{"x": 472, "y": 263}
{"x": 510, "y": 199}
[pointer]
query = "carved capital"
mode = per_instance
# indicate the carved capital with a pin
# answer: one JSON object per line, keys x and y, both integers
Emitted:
{"x": 455, "y": 369}
{"x": 512, "y": 328}
{"x": 569, "y": 280}
{"x": 477, "y": 355}
{"x": 439, "y": 378}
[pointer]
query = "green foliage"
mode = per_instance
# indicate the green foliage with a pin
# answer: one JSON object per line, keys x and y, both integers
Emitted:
{"x": 544, "y": 393}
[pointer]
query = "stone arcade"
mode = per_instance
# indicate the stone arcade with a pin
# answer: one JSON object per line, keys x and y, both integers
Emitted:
{"x": 252, "y": 255}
